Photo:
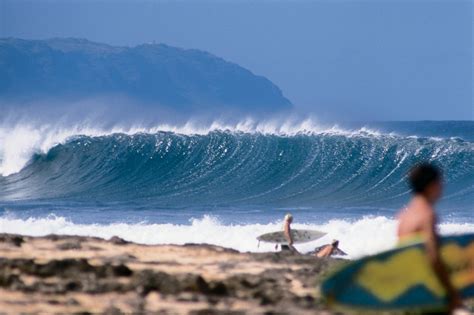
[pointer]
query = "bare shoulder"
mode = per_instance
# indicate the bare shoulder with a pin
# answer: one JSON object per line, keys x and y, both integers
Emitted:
{"x": 400, "y": 213}
{"x": 428, "y": 217}
{"x": 423, "y": 209}
{"x": 403, "y": 213}
{"x": 428, "y": 213}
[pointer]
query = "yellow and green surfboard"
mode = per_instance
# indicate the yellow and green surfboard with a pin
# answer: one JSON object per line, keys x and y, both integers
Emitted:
{"x": 402, "y": 278}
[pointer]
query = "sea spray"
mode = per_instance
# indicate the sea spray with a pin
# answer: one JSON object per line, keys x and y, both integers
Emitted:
{"x": 357, "y": 237}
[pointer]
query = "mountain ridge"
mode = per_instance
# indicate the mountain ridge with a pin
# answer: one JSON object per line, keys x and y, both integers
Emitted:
{"x": 188, "y": 79}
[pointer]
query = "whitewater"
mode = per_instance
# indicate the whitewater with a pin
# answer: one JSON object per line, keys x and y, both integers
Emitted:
{"x": 225, "y": 184}
{"x": 358, "y": 238}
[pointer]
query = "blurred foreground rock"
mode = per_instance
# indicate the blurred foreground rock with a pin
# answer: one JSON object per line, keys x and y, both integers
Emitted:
{"x": 70, "y": 274}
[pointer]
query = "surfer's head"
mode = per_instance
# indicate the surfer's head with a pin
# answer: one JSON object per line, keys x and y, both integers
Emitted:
{"x": 426, "y": 179}
{"x": 335, "y": 243}
{"x": 288, "y": 218}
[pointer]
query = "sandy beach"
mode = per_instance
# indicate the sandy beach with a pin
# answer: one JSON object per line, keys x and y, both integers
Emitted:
{"x": 71, "y": 274}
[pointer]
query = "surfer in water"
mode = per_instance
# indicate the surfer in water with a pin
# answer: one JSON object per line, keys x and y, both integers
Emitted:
{"x": 418, "y": 219}
{"x": 287, "y": 230}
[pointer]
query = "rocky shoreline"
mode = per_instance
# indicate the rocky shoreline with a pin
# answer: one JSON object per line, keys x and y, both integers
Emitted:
{"x": 72, "y": 274}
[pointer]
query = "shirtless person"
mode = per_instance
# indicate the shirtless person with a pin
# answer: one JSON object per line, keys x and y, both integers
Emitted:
{"x": 419, "y": 219}
{"x": 330, "y": 249}
{"x": 288, "y": 236}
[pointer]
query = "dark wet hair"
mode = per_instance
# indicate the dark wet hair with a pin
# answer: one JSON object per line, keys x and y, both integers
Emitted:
{"x": 422, "y": 175}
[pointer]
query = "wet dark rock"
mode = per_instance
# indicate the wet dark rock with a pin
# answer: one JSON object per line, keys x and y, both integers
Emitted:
{"x": 69, "y": 245}
{"x": 72, "y": 302}
{"x": 8, "y": 280}
{"x": 194, "y": 283}
{"x": 72, "y": 286}
{"x": 212, "y": 247}
{"x": 226, "y": 266}
{"x": 15, "y": 240}
{"x": 117, "y": 240}
{"x": 62, "y": 268}
{"x": 250, "y": 282}
{"x": 72, "y": 238}
{"x": 113, "y": 311}
{"x": 120, "y": 259}
{"x": 218, "y": 288}
{"x": 187, "y": 297}
{"x": 147, "y": 281}
{"x": 71, "y": 275}
{"x": 53, "y": 237}
{"x": 122, "y": 277}
{"x": 94, "y": 248}
{"x": 121, "y": 271}
{"x": 210, "y": 311}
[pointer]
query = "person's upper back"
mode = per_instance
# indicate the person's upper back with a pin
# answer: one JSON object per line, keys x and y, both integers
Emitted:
{"x": 416, "y": 219}
{"x": 425, "y": 181}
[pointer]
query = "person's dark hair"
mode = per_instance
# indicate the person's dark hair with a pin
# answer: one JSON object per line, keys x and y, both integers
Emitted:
{"x": 422, "y": 175}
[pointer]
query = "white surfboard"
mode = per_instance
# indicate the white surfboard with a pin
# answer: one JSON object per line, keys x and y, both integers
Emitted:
{"x": 299, "y": 236}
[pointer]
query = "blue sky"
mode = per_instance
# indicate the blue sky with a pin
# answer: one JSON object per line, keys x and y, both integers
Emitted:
{"x": 343, "y": 60}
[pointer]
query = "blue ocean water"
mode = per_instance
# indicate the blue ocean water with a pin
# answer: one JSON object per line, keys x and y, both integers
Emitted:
{"x": 227, "y": 184}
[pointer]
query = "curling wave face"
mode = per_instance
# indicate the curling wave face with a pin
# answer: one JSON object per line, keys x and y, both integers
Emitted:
{"x": 244, "y": 164}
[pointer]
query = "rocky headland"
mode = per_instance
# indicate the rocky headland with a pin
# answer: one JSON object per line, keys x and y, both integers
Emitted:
{"x": 71, "y": 70}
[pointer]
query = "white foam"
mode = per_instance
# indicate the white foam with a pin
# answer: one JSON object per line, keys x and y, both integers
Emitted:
{"x": 358, "y": 238}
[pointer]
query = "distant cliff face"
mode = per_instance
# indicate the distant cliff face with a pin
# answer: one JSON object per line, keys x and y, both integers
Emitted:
{"x": 71, "y": 69}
